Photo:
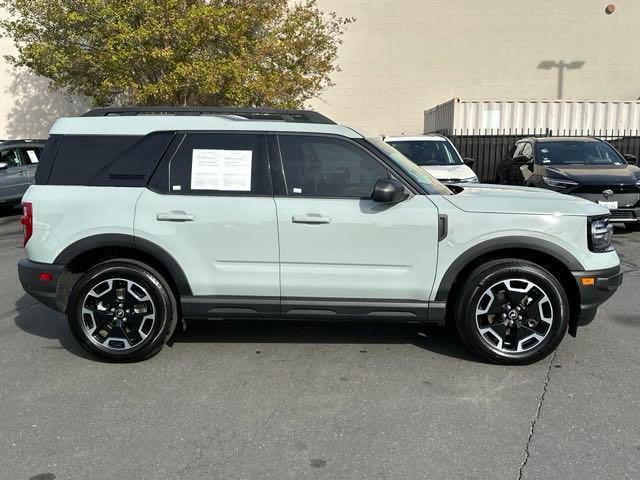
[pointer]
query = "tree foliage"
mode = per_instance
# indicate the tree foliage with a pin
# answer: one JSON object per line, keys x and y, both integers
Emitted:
{"x": 178, "y": 52}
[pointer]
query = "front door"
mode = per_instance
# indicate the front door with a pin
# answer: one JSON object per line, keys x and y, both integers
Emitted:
{"x": 337, "y": 246}
{"x": 14, "y": 176}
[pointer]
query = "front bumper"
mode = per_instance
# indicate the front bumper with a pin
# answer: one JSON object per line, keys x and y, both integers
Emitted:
{"x": 43, "y": 290}
{"x": 595, "y": 288}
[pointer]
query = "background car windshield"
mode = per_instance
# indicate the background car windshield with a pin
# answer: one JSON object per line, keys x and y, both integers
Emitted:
{"x": 429, "y": 182}
{"x": 577, "y": 153}
{"x": 428, "y": 152}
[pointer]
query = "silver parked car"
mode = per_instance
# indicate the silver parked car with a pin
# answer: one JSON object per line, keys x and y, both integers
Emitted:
{"x": 18, "y": 162}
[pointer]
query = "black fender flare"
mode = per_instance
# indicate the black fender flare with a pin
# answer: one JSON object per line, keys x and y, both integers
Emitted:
{"x": 504, "y": 243}
{"x": 134, "y": 243}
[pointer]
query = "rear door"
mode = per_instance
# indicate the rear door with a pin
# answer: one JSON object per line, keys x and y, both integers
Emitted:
{"x": 210, "y": 206}
{"x": 341, "y": 252}
{"x": 14, "y": 179}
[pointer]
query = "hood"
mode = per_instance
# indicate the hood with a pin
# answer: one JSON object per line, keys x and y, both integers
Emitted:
{"x": 446, "y": 172}
{"x": 485, "y": 198}
{"x": 596, "y": 175}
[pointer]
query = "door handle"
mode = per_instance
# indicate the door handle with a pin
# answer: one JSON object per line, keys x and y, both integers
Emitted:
{"x": 175, "y": 216}
{"x": 311, "y": 218}
{"x": 23, "y": 173}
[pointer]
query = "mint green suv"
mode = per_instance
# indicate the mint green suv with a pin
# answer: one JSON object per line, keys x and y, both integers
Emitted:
{"x": 141, "y": 218}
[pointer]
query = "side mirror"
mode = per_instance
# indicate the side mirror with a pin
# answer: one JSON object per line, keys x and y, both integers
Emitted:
{"x": 4, "y": 165}
{"x": 631, "y": 159}
{"x": 469, "y": 161}
{"x": 388, "y": 190}
{"x": 521, "y": 160}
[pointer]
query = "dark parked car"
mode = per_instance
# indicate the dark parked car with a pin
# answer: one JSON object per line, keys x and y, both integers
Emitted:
{"x": 585, "y": 167}
{"x": 18, "y": 162}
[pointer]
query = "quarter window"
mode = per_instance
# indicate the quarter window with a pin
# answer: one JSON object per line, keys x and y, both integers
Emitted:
{"x": 328, "y": 167}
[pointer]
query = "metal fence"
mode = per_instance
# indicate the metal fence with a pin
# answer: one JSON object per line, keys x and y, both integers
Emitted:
{"x": 490, "y": 147}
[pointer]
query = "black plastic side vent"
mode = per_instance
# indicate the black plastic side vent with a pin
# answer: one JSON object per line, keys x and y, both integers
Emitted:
{"x": 443, "y": 227}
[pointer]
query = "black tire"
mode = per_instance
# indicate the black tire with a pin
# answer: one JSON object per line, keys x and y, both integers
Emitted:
{"x": 504, "y": 340}
{"x": 124, "y": 339}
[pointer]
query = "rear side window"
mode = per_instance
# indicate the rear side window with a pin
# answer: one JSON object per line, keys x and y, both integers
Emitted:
{"x": 103, "y": 160}
{"x": 216, "y": 164}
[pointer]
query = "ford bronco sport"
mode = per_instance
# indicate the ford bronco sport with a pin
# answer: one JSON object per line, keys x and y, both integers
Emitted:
{"x": 140, "y": 218}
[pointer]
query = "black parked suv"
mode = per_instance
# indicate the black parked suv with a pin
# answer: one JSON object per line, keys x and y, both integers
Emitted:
{"x": 585, "y": 167}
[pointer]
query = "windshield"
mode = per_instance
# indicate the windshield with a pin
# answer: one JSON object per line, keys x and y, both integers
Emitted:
{"x": 427, "y": 152}
{"x": 418, "y": 174}
{"x": 577, "y": 153}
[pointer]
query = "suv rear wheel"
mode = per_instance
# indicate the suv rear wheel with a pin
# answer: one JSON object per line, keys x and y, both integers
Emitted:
{"x": 512, "y": 312}
{"x": 122, "y": 310}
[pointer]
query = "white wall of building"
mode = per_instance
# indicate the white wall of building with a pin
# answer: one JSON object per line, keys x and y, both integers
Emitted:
{"x": 402, "y": 57}
{"x": 28, "y": 107}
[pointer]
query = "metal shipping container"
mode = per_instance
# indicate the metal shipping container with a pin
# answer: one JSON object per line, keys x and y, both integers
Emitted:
{"x": 556, "y": 117}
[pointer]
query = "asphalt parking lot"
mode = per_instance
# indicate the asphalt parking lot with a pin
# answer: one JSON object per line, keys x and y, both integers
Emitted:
{"x": 320, "y": 401}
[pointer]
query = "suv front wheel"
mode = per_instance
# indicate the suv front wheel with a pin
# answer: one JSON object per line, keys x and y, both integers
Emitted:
{"x": 512, "y": 312}
{"x": 122, "y": 310}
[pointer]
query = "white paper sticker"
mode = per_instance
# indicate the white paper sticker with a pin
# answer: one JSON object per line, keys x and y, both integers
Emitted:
{"x": 221, "y": 170}
{"x": 297, "y": 190}
{"x": 33, "y": 158}
{"x": 176, "y": 187}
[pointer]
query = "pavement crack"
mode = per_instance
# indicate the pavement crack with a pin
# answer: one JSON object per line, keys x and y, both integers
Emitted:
{"x": 534, "y": 420}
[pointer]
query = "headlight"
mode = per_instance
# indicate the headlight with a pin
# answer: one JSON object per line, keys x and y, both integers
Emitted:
{"x": 638, "y": 183}
{"x": 559, "y": 183}
{"x": 600, "y": 234}
{"x": 473, "y": 179}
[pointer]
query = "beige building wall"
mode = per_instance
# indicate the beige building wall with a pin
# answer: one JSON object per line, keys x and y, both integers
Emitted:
{"x": 402, "y": 57}
{"x": 27, "y": 107}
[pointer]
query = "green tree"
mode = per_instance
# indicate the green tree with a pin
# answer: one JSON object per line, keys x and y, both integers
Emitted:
{"x": 178, "y": 52}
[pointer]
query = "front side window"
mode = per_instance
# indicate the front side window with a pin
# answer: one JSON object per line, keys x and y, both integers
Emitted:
{"x": 11, "y": 157}
{"x": 577, "y": 152}
{"x": 219, "y": 164}
{"x": 527, "y": 151}
{"x": 317, "y": 166}
{"x": 428, "y": 152}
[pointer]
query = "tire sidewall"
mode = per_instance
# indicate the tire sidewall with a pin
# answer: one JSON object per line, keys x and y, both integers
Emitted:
{"x": 485, "y": 277}
{"x": 157, "y": 291}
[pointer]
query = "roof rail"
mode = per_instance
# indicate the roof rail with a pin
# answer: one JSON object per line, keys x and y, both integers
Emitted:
{"x": 299, "y": 116}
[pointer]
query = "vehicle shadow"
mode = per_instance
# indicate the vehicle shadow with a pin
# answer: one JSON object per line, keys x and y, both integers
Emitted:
{"x": 36, "y": 319}
{"x": 439, "y": 340}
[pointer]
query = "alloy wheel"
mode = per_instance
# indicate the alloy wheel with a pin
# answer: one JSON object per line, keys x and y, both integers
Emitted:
{"x": 514, "y": 315}
{"x": 117, "y": 315}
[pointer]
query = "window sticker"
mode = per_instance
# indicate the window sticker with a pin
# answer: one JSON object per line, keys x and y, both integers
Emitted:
{"x": 297, "y": 190}
{"x": 176, "y": 187}
{"x": 221, "y": 170}
{"x": 33, "y": 158}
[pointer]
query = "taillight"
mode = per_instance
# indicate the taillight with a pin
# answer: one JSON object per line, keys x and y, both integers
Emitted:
{"x": 27, "y": 221}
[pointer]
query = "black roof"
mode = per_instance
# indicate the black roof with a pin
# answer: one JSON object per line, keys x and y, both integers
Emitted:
{"x": 298, "y": 116}
{"x": 17, "y": 143}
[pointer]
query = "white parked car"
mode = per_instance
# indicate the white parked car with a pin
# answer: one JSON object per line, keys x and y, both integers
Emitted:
{"x": 437, "y": 155}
